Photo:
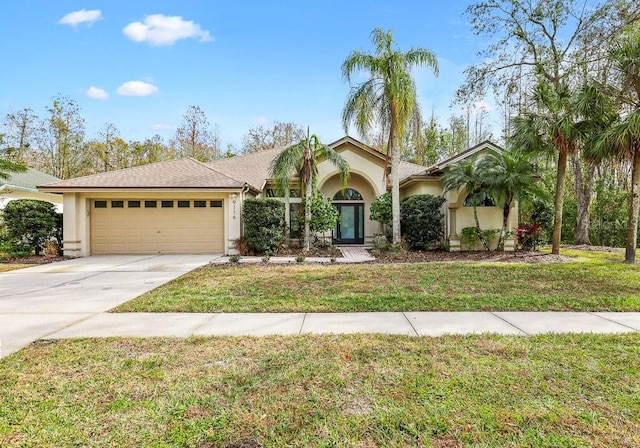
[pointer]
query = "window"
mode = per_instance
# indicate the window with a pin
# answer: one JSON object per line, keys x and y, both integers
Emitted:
{"x": 184, "y": 204}
{"x": 100, "y": 204}
{"x": 348, "y": 194}
{"x": 273, "y": 193}
{"x": 480, "y": 199}
{"x": 167, "y": 204}
{"x": 117, "y": 204}
{"x": 215, "y": 204}
{"x": 295, "y": 218}
{"x": 150, "y": 204}
{"x": 199, "y": 204}
{"x": 133, "y": 204}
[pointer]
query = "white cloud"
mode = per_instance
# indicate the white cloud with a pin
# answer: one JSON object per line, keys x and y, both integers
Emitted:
{"x": 83, "y": 16}
{"x": 136, "y": 88}
{"x": 158, "y": 29}
{"x": 96, "y": 93}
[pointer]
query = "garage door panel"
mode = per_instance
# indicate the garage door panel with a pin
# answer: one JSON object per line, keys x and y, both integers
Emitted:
{"x": 157, "y": 230}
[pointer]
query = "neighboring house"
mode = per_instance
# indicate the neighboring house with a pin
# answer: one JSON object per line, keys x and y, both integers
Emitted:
{"x": 24, "y": 186}
{"x": 185, "y": 206}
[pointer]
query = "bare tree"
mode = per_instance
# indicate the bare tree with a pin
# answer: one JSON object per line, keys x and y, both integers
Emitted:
{"x": 196, "y": 138}
{"x": 20, "y": 128}
{"x": 278, "y": 135}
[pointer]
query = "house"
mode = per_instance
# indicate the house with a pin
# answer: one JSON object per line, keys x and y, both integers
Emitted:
{"x": 185, "y": 206}
{"x": 24, "y": 186}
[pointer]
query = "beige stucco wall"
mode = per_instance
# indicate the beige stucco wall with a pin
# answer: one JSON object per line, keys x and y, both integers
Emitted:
{"x": 366, "y": 177}
{"x": 55, "y": 199}
{"x": 432, "y": 187}
{"x": 77, "y": 220}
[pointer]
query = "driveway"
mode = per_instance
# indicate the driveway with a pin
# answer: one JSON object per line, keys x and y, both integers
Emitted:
{"x": 38, "y": 301}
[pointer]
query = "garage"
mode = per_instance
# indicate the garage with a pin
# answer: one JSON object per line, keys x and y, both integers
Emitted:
{"x": 157, "y": 226}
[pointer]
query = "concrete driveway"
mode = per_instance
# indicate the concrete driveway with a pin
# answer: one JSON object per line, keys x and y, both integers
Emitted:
{"x": 38, "y": 301}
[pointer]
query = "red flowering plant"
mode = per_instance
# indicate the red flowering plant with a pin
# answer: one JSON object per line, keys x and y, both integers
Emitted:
{"x": 529, "y": 236}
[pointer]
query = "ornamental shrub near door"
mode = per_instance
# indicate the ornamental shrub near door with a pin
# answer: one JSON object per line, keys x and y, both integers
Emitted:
{"x": 422, "y": 220}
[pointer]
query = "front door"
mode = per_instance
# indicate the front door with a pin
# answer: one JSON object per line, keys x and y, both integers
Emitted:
{"x": 350, "y": 226}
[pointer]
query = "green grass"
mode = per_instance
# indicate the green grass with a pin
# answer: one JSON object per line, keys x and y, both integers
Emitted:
{"x": 351, "y": 391}
{"x": 595, "y": 281}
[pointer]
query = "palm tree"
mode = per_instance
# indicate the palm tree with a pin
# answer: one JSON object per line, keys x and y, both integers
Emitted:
{"x": 550, "y": 128}
{"x": 387, "y": 99}
{"x": 509, "y": 176}
{"x": 466, "y": 174}
{"x": 623, "y": 138}
{"x": 302, "y": 160}
{"x": 8, "y": 166}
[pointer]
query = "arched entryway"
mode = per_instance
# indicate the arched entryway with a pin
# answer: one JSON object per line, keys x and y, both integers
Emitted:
{"x": 350, "y": 226}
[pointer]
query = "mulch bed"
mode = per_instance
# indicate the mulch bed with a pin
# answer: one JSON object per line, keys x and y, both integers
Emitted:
{"x": 34, "y": 259}
{"x": 478, "y": 256}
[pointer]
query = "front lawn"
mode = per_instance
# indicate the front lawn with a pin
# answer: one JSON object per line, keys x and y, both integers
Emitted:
{"x": 595, "y": 281}
{"x": 358, "y": 391}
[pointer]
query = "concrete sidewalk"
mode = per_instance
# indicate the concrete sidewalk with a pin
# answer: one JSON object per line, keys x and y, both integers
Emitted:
{"x": 407, "y": 323}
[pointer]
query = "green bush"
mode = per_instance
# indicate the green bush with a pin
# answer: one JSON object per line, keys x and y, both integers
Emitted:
{"x": 30, "y": 224}
{"x": 422, "y": 220}
{"x": 381, "y": 209}
{"x": 264, "y": 224}
{"x": 324, "y": 215}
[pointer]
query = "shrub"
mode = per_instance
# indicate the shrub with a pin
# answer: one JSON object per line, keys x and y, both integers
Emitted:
{"x": 264, "y": 224}
{"x": 30, "y": 224}
{"x": 300, "y": 258}
{"x": 324, "y": 215}
{"x": 422, "y": 221}
{"x": 469, "y": 237}
{"x": 234, "y": 258}
{"x": 380, "y": 209}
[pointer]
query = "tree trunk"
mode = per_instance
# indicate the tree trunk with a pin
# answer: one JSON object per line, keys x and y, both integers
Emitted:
{"x": 394, "y": 151}
{"x": 478, "y": 229}
{"x": 506, "y": 209}
{"x": 558, "y": 200}
{"x": 307, "y": 218}
{"x": 583, "y": 189}
{"x": 634, "y": 208}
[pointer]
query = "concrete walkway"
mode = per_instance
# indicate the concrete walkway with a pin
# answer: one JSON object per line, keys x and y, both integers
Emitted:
{"x": 407, "y": 323}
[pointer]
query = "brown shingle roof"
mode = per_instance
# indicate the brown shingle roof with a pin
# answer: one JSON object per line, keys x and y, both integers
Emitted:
{"x": 182, "y": 173}
{"x": 252, "y": 168}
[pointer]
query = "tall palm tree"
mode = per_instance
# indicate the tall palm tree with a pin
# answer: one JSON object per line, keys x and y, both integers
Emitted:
{"x": 302, "y": 160}
{"x": 387, "y": 99}
{"x": 509, "y": 176}
{"x": 623, "y": 138}
{"x": 465, "y": 174}
{"x": 550, "y": 128}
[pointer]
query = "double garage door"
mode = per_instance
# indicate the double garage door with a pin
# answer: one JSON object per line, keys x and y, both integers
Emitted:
{"x": 153, "y": 226}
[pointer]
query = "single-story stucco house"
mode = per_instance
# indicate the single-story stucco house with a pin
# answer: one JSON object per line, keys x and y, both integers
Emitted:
{"x": 185, "y": 206}
{"x": 24, "y": 186}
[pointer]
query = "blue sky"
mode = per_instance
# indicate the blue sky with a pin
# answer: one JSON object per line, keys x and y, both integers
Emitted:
{"x": 243, "y": 63}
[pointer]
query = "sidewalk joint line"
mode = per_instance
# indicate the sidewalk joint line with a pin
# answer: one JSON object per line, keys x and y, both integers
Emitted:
{"x": 410, "y": 324}
{"x": 304, "y": 319}
{"x": 206, "y": 322}
{"x": 593, "y": 313}
{"x": 510, "y": 323}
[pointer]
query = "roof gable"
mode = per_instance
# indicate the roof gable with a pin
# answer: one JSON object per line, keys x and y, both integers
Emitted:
{"x": 442, "y": 165}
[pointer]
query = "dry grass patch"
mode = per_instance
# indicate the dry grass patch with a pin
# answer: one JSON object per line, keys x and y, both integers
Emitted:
{"x": 359, "y": 391}
{"x": 6, "y": 267}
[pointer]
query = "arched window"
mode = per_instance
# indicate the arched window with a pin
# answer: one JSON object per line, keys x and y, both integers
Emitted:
{"x": 348, "y": 194}
{"x": 480, "y": 200}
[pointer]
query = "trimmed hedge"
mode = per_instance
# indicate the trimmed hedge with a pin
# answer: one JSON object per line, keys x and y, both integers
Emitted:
{"x": 422, "y": 220}
{"x": 264, "y": 224}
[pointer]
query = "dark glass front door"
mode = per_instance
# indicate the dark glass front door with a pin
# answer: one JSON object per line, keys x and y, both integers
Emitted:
{"x": 350, "y": 226}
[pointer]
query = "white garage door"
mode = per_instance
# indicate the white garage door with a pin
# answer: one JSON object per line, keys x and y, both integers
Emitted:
{"x": 153, "y": 226}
